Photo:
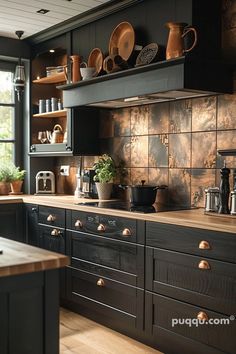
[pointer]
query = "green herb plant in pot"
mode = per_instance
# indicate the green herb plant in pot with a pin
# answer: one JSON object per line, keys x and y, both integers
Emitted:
{"x": 104, "y": 173}
{"x": 5, "y": 177}
{"x": 16, "y": 179}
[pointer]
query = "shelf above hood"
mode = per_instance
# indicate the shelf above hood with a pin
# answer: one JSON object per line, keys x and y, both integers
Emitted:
{"x": 163, "y": 81}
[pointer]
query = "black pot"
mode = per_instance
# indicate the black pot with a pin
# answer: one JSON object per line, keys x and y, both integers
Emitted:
{"x": 143, "y": 194}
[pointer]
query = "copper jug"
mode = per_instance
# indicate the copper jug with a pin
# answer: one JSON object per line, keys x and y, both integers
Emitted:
{"x": 76, "y": 61}
{"x": 175, "y": 45}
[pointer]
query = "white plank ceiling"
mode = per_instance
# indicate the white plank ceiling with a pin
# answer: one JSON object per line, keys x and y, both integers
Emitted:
{"x": 22, "y": 15}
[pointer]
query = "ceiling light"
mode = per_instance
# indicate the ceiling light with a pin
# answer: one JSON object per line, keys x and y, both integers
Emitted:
{"x": 52, "y": 50}
{"x": 43, "y": 11}
{"x": 19, "y": 77}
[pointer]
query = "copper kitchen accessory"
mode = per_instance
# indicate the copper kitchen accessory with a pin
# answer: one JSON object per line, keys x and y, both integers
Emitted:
{"x": 147, "y": 54}
{"x": 95, "y": 59}
{"x": 56, "y": 136}
{"x": 76, "y": 60}
{"x": 123, "y": 38}
{"x": 175, "y": 44}
{"x": 109, "y": 64}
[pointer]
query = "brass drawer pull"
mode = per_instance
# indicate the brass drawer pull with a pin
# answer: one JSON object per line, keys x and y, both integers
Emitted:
{"x": 51, "y": 218}
{"x": 204, "y": 245}
{"x": 204, "y": 265}
{"x": 55, "y": 232}
{"x": 101, "y": 227}
{"x": 78, "y": 224}
{"x": 126, "y": 232}
{"x": 100, "y": 282}
{"x": 202, "y": 316}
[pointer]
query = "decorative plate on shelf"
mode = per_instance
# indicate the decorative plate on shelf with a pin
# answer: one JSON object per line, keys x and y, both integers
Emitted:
{"x": 95, "y": 59}
{"x": 123, "y": 38}
{"x": 147, "y": 54}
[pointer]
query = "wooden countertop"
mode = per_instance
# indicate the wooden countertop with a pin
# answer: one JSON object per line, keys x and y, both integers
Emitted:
{"x": 191, "y": 218}
{"x": 19, "y": 258}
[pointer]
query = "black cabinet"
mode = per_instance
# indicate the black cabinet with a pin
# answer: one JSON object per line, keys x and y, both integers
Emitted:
{"x": 190, "y": 276}
{"x": 12, "y": 221}
{"x": 31, "y": 222}
{"x": 106, "y": 278}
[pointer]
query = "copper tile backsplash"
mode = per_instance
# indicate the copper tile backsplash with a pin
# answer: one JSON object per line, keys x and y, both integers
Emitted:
{"x": 171, "y": 143}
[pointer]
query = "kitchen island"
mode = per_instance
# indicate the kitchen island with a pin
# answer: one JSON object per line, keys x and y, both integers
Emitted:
{"x": 29, "y": 299}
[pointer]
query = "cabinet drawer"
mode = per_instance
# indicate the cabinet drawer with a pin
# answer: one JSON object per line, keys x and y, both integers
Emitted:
{"x": 222, "y": 245}
{"x": 51, "y": 216}
{"x": 179, "y": 276}
{"x": 111, "y": 298}
{"x": 104, "y": 255}
{"x": 110, "y": 226}
{"x": 162, "y": 313}
{"x": 52, "y": 238}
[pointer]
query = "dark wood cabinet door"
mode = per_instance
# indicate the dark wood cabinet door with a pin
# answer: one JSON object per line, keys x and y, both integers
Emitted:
{"x": 215, "y": 335}
{"x": 31, "y": 215}
{"x": 12, "y": 221}
{"x": 52, "y": 239}
{"x": 200, "y": 281}
{"x": 52, "y": 216}
{"x": 124, "y": 258}
{"x": 222, "y": 245}
{"x": 110, "y": 226}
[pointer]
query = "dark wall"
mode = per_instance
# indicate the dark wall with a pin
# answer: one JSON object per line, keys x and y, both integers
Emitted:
{"x": 13, "y": 48}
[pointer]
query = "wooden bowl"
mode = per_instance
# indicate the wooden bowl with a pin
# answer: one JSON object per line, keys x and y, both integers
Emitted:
{"x": 95, "y": 59}
{"x": 123, "y": 38}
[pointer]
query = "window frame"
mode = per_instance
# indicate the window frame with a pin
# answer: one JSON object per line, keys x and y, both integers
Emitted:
{"x": 17, "y": 119}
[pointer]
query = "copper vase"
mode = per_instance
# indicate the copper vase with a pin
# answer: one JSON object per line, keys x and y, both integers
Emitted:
{"x": 76, "y": 61}
{"x": 175, "y": 44}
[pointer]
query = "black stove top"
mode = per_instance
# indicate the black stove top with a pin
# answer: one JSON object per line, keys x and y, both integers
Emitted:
{"x": 122, "y": 205}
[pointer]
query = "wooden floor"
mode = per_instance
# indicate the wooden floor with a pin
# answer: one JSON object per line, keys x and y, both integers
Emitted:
{"x": 78, "y": 335}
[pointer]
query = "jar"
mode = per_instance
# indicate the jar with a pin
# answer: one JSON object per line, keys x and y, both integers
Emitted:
{"x": 42, "y": 106}
{"x": 54, "y": 104}
{"x": 48, "y": 105}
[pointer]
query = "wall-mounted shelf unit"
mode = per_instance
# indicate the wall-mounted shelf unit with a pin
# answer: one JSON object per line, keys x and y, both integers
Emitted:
{"x": 229, "y": 152}
{"x": 54, "y": 114}
{"x": 52, "y": 79}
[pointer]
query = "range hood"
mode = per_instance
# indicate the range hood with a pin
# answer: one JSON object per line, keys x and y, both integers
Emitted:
{"x": 163, "y": 81}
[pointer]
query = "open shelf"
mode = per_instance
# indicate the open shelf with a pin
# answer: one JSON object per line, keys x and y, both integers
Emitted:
{"x": 54, "y": 114}
{"x": 53, "y": 79}
{"x": 229, "y": 152}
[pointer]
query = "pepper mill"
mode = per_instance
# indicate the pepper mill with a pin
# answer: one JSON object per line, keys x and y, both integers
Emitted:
{"x": 224, "y": 191}
{"x": 76, "y": 61}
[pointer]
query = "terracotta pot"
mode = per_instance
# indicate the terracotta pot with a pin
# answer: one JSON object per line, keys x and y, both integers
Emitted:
{"x": 16, "y": 186}
{"x": 4, "y": 188}
{"x": 104, "y": 190}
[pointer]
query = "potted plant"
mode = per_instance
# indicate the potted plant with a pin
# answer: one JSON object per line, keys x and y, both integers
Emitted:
{"x": 104, "y": 173}
{"x": 5, "y": 173}
{"x": 16, "y": 179}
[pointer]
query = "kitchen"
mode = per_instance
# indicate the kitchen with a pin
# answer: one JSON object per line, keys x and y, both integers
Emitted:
{"x": 163, "y": 122}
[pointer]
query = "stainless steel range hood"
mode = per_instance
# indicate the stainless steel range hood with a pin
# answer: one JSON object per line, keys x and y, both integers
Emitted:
{"x": 163, "y": 81}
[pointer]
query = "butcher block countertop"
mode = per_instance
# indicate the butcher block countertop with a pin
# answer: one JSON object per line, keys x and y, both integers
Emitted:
{"x": 191, "y": 218}
{"x": 19, "y": 258}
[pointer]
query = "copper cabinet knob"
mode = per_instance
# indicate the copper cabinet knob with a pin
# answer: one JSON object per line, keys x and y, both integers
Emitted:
{"x": 78, "y": 224}
{"x": 100, "y": 282}
{"x": 126, "y": 232}
{"x": 204, "y": 245}
{"x": 51, "y": 218}
{"x": 101, "y": 227}
{"x": 202, "y": 316}
{"x": 55, "y": 232}
{"x": 204, "y": 265}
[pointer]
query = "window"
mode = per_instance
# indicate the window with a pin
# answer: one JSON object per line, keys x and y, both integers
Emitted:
{"x": 7, "y": 114}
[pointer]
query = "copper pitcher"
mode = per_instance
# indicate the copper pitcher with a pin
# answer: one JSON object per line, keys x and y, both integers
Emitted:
{"x": 56, "y": 136}
{"x": 76, "y": 61}
{"x": 175, "y": 45}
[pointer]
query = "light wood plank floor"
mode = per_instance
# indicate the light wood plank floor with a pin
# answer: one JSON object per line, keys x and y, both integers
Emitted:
{"x": 79, "y": 335}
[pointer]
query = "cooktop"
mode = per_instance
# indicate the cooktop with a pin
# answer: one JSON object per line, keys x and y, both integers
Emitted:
{"x": 123, "y": 205}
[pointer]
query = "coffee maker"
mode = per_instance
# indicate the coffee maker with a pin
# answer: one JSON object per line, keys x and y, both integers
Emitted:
{"x": 45, "y": 182}
{"x": 86, "y": 187}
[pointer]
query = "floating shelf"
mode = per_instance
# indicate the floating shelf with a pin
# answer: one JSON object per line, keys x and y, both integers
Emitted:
{"x": 229, "y": 152}
{"x": 53, "y": 79}
{"x": 54, "y": 114}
